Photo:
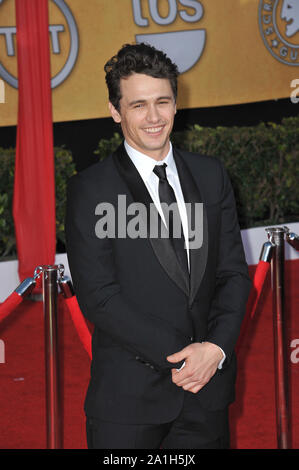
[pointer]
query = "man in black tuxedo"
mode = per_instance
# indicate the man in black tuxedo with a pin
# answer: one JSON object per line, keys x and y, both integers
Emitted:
{"x": 166, "y": 305}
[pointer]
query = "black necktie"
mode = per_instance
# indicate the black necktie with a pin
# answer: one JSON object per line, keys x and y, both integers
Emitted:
{"x": 166, "y": 195}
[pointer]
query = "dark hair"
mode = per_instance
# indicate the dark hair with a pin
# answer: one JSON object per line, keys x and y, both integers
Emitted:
{"x": 138, "y": 58}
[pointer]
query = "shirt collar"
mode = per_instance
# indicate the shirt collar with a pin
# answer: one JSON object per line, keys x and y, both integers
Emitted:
{"x": 146, "y": 164}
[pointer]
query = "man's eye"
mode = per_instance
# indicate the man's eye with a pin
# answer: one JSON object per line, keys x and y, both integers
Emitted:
{"x": 138, "y": 105}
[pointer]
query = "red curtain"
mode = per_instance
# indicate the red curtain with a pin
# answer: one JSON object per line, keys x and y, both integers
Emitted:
{"x": 34, "y": 184}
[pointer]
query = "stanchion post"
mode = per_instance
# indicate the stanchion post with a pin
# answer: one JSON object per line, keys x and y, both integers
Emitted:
{"x": 276, "y": 236}
{"x": 292, "y": 239}
{"x": 53, "y": 408}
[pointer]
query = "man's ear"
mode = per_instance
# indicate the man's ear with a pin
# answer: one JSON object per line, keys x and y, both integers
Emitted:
{"x": 114, "y": 113}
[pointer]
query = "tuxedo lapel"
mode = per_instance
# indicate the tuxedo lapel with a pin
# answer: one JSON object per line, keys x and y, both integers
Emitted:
{"x": 161, "y": 245}
{"x": 198, "y": 256}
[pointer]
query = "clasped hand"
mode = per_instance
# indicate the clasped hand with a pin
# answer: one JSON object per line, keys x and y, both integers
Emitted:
{"x": 202, "y": 360}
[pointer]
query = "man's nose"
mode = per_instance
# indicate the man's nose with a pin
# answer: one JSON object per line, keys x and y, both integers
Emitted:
{"x": 153, "y": 114}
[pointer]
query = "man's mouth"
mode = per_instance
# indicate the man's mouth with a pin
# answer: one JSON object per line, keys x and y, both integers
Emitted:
{"x": 153, "y": 130}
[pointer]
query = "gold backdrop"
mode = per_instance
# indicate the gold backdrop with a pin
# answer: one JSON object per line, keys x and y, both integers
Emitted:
{"x": 232, "y": 51}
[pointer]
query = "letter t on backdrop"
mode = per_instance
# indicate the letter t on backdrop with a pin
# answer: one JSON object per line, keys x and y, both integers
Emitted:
{"x": 34, "y": 184}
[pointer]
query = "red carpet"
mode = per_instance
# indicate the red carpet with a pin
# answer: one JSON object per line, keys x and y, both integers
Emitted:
{"x": 252, "y": 416}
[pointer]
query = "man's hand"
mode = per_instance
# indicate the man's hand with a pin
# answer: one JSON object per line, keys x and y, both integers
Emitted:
{"x": 201, "y": 359}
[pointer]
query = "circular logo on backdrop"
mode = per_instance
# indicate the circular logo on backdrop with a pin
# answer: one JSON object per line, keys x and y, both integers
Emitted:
{"x": 54, "y": 29}
{"x": 184, "y": 47}
{"x": 279, "y": 27}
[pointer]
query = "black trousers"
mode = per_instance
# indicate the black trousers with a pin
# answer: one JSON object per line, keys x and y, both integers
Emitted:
{"x": 202, "y": 429}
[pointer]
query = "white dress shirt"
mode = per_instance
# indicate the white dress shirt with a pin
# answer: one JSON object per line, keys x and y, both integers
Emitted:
{"x": 145, "y": 165}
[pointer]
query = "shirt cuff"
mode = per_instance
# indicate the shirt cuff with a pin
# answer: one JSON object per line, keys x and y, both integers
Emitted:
{"x": 223, "y": 359}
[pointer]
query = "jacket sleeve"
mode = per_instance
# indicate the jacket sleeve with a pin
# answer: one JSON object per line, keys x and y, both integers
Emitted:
{"x": 233, "y": 284}
{"x": 99, "y": 294}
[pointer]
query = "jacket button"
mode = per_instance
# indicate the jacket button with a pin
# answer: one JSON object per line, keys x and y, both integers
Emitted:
{"x": 191, "y": 338}
{"x": 137, "y": 358}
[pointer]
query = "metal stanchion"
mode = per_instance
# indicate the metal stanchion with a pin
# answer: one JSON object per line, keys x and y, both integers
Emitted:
{"x": 267, "y": 251}
{"x": 53, "y": 405}
{"x": 66, "y": 286}
{"x": 276, "y": 236}
{"x": 292, "y": 239}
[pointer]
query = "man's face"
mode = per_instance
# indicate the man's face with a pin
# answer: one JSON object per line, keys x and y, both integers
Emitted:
{"x": 146, "y": 115}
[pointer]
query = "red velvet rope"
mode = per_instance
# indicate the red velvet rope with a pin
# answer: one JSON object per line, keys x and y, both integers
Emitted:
{"x": 254, "y": 297}
{"x": 9, "y": 305}
{"x": 257, "y": 287}
{"x": 79, "y": 323}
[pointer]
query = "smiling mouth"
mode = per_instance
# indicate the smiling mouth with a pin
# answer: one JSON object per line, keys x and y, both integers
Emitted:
{"x": 153, "y": 130}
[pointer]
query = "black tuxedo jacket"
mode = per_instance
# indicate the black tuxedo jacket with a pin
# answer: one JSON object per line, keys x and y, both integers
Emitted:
{"x": 142, "y": 304}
